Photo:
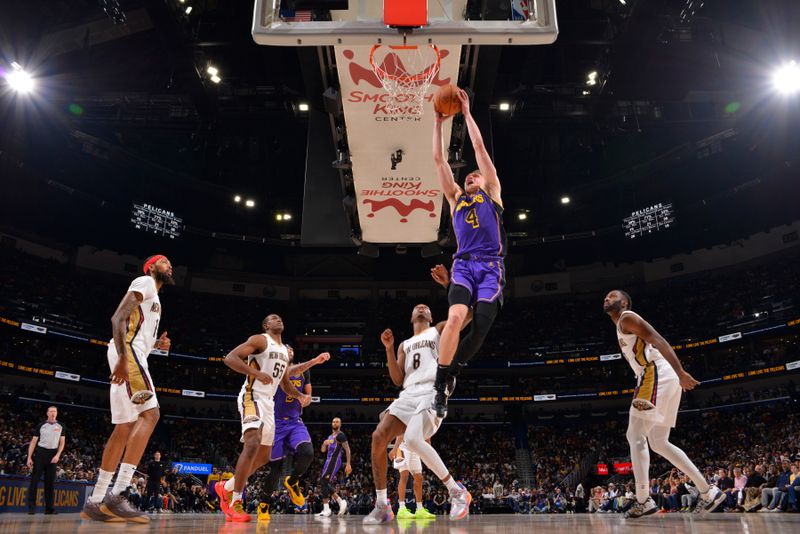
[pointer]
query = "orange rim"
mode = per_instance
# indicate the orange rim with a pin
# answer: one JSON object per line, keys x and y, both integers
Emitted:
{"x": 415, "y": 78}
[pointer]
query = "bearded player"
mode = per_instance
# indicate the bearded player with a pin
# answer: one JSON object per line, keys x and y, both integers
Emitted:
{"x": 336, "y": 447}
{"x": 478, "y": 271}
{"x": 134, "y": 406}
{"x": 413, "y": 368}
{"x": 263, "y": 359}
{"x": 660, "y": 378}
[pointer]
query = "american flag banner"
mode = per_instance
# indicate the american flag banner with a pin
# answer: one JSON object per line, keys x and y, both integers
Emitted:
{"x": 300, "y": 15}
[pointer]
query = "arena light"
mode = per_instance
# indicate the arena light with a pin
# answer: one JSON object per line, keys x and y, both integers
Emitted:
{"x": 19, "y": 80}
{"x": 287, "y": 216}
{"x": 522, "y": 216}
{"x": 302, "y": 106}
{"x": 237, "y": 198}
{"x": 504, "y": 106}
{"x": 623, "y": 2}
{"x": 188, "y": 10}
{"x": 591, "y": 78}
{"x": 279, "y": 217}
{"x": 565, "y": 200}
{"x": 215, "y": 78}
{"x": 250, "y": 203}
{"x": 787, "y": 78}
{"x": 212, "y": 70}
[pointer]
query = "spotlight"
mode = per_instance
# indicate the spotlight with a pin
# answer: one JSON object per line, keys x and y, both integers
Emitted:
{"x": 279, "y": 216}
{"x": 237, "y": 198}
{"x": 19, "y": 80}
{"x": 522, "y": 216}
{"x": 565, "y": 200}
{"x": 287, "y": 216}
{"x": 215, "y": 79}
{"x": 591, "y": 78}
{"x": 504, "y": 106}
{"x": 250, "y": 203}
{"x": 188, "y": 10}
{"x": 302, "y": 106}
{"x": 623, "y": 2}
{"x": 213, "y": 71}
{"x": 787, "y": 78}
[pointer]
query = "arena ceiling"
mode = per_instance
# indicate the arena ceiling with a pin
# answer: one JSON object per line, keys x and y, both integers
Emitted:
{"x": 682, "y": 111}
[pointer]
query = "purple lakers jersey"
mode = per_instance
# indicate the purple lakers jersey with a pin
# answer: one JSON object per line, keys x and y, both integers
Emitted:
{"x": 288, "y": 408}
{"x": 478, "y": 225}
{"x": 335, "y": 455}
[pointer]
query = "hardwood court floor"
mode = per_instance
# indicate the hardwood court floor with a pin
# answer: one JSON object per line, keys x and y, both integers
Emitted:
{"x": 486, "y": 524}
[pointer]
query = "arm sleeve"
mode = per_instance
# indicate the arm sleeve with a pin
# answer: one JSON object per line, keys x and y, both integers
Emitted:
{"x": 341, "y": 438}
{"x": 145, "y": 285}
{"x": 307, "y": 376}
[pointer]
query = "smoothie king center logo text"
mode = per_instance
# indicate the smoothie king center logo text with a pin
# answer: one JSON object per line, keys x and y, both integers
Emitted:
{"x": 378, "y": 98}
{"x": 404, "y": 194}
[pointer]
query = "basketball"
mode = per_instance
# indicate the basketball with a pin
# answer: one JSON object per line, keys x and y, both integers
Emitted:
{"x": 445, "y": 100}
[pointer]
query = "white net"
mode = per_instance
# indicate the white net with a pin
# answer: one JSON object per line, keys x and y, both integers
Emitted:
{"x": 406, "y": 73}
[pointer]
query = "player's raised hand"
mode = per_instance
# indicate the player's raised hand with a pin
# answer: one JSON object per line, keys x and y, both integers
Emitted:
{"x": 263, "y": 377}
{"x": 322, "y": 358}
{"x": 687, "y": 381}
{"x": 387, "y": 338}
{"x": 163, "y": 342}
{"x": 440, "y": 275}
{"x": 464, "y": 98}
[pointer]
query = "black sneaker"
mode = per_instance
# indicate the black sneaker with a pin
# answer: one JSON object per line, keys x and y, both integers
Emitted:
{"x": 440, "y": 403}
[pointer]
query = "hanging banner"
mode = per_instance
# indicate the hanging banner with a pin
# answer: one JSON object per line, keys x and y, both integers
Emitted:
{"x": 397, "y": 189}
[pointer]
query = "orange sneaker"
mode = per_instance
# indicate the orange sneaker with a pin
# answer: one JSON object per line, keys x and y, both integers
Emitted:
{"x": 224, "y": 496}
{"x": 237, "y": 514}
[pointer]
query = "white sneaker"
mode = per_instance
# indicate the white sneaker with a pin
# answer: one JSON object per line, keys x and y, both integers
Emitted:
{"x": 460, "y": 499}
{"x": 641, "y": 509}
{"x": 379, "y": 514}
{"x": 342, "y": 507}
{"x": 326, "y": 512}
{"x": 710, "y": 501}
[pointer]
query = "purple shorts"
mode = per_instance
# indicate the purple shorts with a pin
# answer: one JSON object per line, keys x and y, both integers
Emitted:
{"x": 484, "y": 278}
{"x": 288, "y": 435}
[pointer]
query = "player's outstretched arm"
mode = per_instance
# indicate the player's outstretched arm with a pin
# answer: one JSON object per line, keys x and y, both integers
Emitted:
{"x": 235, "y": 358}
{"x": 305, "y": 366}
{"x": 485, "y": 164}
{"x": 633, "y": 324}
{"x": 396, "y": 372}
{"x": 444, "y": 172}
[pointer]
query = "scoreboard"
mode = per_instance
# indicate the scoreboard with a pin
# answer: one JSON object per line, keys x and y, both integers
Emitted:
{"x": 153, "y": 220}
{"x": 649, "y": 220}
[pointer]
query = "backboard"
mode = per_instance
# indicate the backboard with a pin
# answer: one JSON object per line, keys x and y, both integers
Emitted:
{"x": 449, "y": 22}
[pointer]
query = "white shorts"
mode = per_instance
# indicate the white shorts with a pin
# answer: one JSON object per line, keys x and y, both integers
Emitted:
{"x": 123, "y": 410}
{"x": 257, "y": 412}
{"x": 407, "y": 406}
{"x": 658, "y": 395}
{"x": 409, "y": 462}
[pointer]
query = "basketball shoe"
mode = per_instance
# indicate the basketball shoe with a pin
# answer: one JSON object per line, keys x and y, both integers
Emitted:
{"x": 404, "y": 513}
{"x": 294, "y": 492}
{"x": 237, "y": 514}
{"x": 423, "y": 513}
{"x": 382, "y": 513}
{"x": 710, "y": 500}
{"x": 641, "y": 509}
{"x": 263, "y": 511}
{"x": 224, "y": 496}
{"x": 460, "y": 499}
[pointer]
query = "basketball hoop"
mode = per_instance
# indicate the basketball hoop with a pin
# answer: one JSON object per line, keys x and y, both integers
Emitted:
{"x": 406, "y": 73}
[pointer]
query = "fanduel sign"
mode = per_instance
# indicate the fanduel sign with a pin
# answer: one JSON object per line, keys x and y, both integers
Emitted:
{"x": 399, "y": 201}
{"x": 192, "y": 469}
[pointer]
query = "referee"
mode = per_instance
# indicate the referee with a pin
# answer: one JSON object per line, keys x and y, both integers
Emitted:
{"x": 43, "y": 455}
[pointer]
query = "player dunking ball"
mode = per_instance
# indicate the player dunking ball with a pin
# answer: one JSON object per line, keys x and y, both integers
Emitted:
{"x": 134, "y": 406}
{"x": 414, "y": 368}
{"x": 660, "y": 379}
{"x": 291, "y": 436}
{"x": 478, "y": 271}
{"x": 263, "y": 359}
{"x": 335, "y": 446}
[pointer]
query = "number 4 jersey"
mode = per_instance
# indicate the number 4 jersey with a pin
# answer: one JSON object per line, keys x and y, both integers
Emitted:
{"x": 273, "y": 361}
{"x": 422, "y": 356}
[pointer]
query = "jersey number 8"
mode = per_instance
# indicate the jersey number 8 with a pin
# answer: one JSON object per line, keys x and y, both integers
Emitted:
{"x": 415, "y": 361}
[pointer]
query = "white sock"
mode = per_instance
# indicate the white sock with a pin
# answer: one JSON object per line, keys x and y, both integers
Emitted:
{"x": 124, "y": 478}
{"x": 337, "y": 499}
{"x": 380, "y": 496}
{"x": 402, "y": 504}
{"x": 229, "y": 484}
{"x": 452, "y": 484}
{"x": 101, "y": 486}
{"x": 326, "y": 507}
{"x": 237, "y": 496}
